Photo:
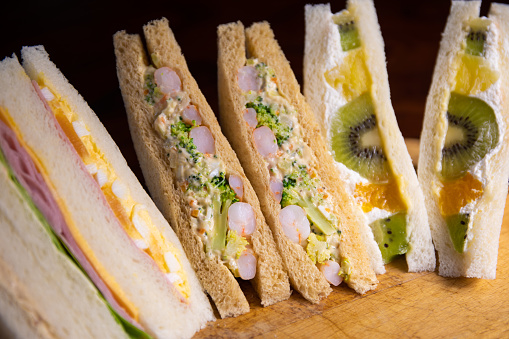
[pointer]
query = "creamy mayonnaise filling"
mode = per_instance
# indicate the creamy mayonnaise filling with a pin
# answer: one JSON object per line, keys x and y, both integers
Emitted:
{"x": 202, "y": 178}
{"x": 292, "y": 164}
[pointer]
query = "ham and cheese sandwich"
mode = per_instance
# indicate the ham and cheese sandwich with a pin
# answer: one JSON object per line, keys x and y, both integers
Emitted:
{"x": 279, "y": 144}
{"x": 193, "y": 174}
{"x": 464, "y": 154}
{"x": 346, "y": 83}
{"x": 71, "y": 173}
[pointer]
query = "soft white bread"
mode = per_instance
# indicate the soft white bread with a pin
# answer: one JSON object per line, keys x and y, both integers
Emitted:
{"x": 322, "y": 53}
{"x": 271, "y": 281}
{"x": 480, "y": 258}
{"x": 43, "y": 294}
{"x": 258, "y": 41}
{"x": 161, "y": 313}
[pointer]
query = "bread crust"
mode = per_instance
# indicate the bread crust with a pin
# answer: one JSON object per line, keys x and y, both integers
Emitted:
{"x": 271, "y": 281}
{"x": 320, "y": 44}
{"x": 259, "y": 42}
{"x": 480, "y": 259}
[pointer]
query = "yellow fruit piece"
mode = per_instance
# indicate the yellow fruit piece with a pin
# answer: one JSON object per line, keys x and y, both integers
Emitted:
{"x": 383, "y": 196}
{"x": 474, "y": 75}
{"x": 352, "y": 76}
{"x": 458, "y": 193}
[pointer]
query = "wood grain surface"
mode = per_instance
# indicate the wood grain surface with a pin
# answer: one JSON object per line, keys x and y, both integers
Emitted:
{"x": 404, "y": 305}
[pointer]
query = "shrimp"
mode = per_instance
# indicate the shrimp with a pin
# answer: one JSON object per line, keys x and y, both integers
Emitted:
{"x": 248, "y": 79}
{"x": 167, "y": 80}
{"x": 203, "y": 140}
{"x": 330, "y": 270}
{"x": 236, "y": 184}
{"x": 246, "y": 264}
{"x": 295, "y": 223}
{"x": 265, "y": 141}
{"x": 241, "y": 218}
{"x": 250, "y": 117}
{"x": 189, "y": 114}
{"x": 276, "y": 186}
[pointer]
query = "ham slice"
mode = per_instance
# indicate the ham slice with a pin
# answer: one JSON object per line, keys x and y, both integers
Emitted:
{"x": 32, "y": 180}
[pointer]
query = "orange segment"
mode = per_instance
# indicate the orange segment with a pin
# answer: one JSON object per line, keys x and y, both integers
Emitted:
{"x": 458, "y": 193}
{"x": 382, "y": 196}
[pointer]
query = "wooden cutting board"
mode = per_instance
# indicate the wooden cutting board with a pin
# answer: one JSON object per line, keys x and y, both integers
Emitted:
{"x": 403, "y": 305}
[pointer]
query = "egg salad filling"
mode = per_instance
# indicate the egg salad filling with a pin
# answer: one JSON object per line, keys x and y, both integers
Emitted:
{"x": 471, "y": 128}
{"x": 294, "y": 180}
{"x": 133, "y": 216}
{"x": 201, "y": 175}
{"x": 355, "y": 142}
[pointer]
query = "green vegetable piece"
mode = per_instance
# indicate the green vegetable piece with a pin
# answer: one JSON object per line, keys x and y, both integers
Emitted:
{"x": 267, "y": 117}
{"x": 221, "y": 202}
{"x": 299, "y": 178}
{"x": 132, "y": 331}
{"x": 390, "y": 234}
{"x": 458, "y": 225}
{"x": 292, "y": 197}
{"x": 220, "y": 227}
{"x": 472, "y": 133}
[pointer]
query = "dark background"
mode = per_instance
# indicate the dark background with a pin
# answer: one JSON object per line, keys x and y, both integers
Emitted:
{"x": 78, "y": 37}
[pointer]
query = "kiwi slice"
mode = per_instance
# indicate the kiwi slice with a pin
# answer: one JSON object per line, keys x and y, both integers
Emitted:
{"x": 348, "y": 32}
{"x": 458, "y": 226}
{"x": 355, "y": 140}
{"x": 475, "y": 42}
{"x": 390, "y": 235}
{"x": 472, "y": 133}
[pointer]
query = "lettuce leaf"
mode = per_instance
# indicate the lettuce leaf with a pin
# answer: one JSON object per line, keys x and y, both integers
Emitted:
{"x": 131, "y": 330}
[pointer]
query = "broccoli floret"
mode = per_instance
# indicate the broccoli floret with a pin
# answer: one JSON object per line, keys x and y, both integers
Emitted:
{"x": 221, "y": 203}
{"x": 291, "y": 196}
{"x": 152, "y": 92}
{"x": 317, "y": 250}
{"x": 180, "y": 130}
{"x": 267, "y": 117}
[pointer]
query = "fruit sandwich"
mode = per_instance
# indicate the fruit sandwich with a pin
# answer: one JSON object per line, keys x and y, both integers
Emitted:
{"x": 464, "y": 154}
{"x": 346, "y": 83}
{"x": 194, "y": 175}
{"x": 273, "y": 131}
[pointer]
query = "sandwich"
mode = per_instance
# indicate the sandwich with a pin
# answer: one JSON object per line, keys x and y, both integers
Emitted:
{"x": 279, "y": 144}
{"x": 346, "y": 82}
{"x": 193, "y": 174}
{"x": 464, "y": 154}
{"x": 72, "y": 178}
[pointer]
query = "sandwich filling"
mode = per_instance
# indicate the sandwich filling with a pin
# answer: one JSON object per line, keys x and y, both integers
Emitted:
{"x": 307, "y": 216}
{"x": 214, "y": 197}
{"x": 27, "y": 176}
{"x": 472, "y": 129}
{"x": 355, "y": 142}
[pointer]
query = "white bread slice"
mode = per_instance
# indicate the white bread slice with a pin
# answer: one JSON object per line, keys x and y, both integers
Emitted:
{"x": 271, "y": 281}
{"x": 322, "y": 46}
{"x": 43, "y": 294}
{"x": 480, "y": 258}
{"x": 258, "y": 41}
{"x": 161, "y": 312}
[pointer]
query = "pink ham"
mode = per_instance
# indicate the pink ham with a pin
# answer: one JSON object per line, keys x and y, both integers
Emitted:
{"x": 30, "y": 178}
